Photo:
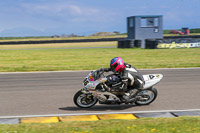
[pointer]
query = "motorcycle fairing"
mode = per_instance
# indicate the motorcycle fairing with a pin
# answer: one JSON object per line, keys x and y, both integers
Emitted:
{"x": 151, "y": 80}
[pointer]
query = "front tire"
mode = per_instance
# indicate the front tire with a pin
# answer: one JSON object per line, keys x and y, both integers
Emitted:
{"x": 146, "y": 96}
{"x": 84, "y": 100}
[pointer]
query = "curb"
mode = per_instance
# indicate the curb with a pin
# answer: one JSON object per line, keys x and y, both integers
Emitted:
{"x": 127, "y": 116}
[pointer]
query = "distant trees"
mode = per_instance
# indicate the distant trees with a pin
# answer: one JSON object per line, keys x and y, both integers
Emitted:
{"x": 64, "y": 36}
{"x": 106, "y": 33}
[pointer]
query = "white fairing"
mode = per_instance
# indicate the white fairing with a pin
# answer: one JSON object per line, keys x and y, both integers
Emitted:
{"x": 151, "y": 80}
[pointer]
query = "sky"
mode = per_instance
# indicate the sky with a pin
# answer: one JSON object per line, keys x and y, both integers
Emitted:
{"x": 85, "y": 17}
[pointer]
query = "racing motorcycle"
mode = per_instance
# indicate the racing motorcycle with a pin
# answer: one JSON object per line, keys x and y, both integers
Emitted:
{"x": 107, "y": 90}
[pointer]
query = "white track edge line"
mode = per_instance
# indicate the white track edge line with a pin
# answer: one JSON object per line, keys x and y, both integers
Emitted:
{"x": 132, "y": 112}
{"x": 91, "y": 70}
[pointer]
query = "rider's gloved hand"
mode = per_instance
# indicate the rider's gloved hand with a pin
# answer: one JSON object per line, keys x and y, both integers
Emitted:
{"x": 101, "y": 69}
{"x": 104, "y": 69}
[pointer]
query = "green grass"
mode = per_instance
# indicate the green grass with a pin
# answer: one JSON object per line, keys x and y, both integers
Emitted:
{"x": 143, "y": 125}
{"x": 60, "y": 45}
{"x": 180, "y": 35}
{"x": 90, "y": 59}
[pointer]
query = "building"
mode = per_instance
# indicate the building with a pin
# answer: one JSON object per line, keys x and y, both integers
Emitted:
{"x": 142, "y": 28}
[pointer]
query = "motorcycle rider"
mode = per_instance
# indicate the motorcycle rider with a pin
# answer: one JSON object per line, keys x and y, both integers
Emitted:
{"x": 130, "y": 78}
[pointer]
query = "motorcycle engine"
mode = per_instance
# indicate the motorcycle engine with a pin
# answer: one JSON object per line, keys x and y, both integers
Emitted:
{"x": 114, "y": 83}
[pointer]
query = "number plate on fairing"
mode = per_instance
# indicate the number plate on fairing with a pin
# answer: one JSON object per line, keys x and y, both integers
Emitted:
{"x": 152, "y": 76}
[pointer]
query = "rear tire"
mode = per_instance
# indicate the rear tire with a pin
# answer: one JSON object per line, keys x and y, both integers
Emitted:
{"x": 84, "y": 100}
{"x": 150, "y": 94}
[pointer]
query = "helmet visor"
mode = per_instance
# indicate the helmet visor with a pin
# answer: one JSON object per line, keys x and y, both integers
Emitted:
{"x": 113, "y": 67}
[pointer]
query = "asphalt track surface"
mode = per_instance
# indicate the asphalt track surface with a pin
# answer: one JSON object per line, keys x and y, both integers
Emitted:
{"x": 52, "y": 93}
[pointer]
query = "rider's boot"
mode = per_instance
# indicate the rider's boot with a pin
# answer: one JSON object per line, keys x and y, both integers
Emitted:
{"x": 130, "y": 95}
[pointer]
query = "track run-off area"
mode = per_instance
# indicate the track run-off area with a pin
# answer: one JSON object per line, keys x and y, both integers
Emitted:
{"x": 51, "y": 93}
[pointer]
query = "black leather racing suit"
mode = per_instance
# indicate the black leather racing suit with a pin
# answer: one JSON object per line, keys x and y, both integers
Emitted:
{"x": 132, "y": 79}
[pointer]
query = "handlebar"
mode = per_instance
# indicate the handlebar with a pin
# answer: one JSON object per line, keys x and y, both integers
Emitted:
{"x": 99, "y": 73}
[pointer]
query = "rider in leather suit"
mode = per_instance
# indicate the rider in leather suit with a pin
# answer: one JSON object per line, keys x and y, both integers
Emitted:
{"x": 132, "y": 79}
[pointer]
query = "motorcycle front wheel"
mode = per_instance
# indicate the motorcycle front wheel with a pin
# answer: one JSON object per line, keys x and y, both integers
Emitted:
{"x": 84, "y": 100}
{"x": 147, "y": 96}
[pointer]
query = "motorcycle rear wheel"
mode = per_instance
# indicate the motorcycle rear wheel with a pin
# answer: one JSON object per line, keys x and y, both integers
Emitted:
{"x": 148, "y": 94}
{"x": 84, "y": 100}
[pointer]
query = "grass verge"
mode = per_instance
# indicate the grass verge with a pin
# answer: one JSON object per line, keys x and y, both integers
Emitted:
{"x": 90, "y": 59}
{"x": 6, "y": 39}
{"x": 59, "y": 45}
{"x": 42, "y": 38}
{"x": 142, "y": 125}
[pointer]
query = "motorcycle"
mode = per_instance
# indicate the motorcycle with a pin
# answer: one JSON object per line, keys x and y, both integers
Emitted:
{"x": 107, "y": 90}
